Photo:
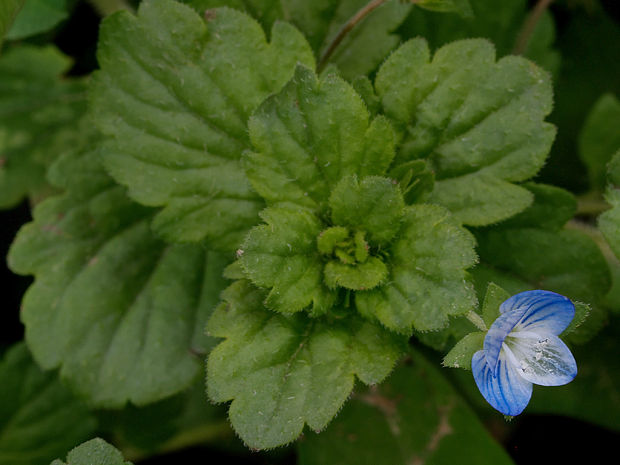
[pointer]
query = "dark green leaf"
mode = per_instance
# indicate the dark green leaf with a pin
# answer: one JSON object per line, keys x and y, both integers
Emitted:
{"x": 39, "y": 418}
{"x": 8, "y": 12}
{"x": 37, "y": 16}
{"x": 461, "y": 7}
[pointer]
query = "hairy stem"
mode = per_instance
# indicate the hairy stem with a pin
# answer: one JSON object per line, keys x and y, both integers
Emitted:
{"x": 477, "y": 320}
{"x": 346, "y": 28}
{"x": 529, "y": 26}
{"x": 107, "y": 7}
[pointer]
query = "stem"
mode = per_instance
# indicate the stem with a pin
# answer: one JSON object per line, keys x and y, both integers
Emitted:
{"x": 345, "y": 29}
{"x": 477, "y": 320}
{"x": 525, "y": 34}
{"x": 591, "y": 205}
{"x": 107, "y": 7}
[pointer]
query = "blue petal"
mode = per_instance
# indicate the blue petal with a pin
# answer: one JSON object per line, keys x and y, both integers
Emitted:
{"x": 497, "y": 333}
{"x": 507, "y": 392}
{"x": 543, "y": 311}
{"x": 542, "y": 358}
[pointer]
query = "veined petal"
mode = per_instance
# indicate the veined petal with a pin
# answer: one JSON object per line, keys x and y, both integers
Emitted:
{"x": 543, "y": 311}
{"x": 542, "y": 358}
{"x": 508, "y": 392}
{"x": 496, "y": 335}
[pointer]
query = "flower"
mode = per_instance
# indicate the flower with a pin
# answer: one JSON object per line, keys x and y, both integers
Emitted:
{"x": 522, "y": 348}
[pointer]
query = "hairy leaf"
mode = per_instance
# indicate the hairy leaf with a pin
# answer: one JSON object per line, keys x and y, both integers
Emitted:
{"x": 283, "y": 372}
{"x": 39, "y": 418}
{"x": 600, "y": 139}
{"x": 37, "y": 16}
{"x": 609, "y": 222}
{"x": 415, "y": 417}
{"x": 427, "y": 282}
{"x": 173, "y": 96}
{"x": 477, "y": 121}
{"x": 309, "y": 136}
{"x": 96, "y": 451}
{"x": 119, "y": 311}
{"x": 460, "y": 355}
{"x": 41, "y": 116}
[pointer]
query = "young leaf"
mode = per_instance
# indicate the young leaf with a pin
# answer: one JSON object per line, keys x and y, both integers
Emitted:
{"x": 96, "y": 451}
{"x": 120, "y": 312}
{"x": 477, "y": 121}
{"x": 427, "y": 281}
{"x": 282, "y": 255}
{"x": 173, "y": 96}
{"x": 599, "y": 138}
{"x": 41, "y": 116}
{"x": 39, "y": 418}
{"x": 283, "y": 372}
{"x": 309, "y": 136}
{"x": 37, "y": 16}
{"x": 414, "y": 417}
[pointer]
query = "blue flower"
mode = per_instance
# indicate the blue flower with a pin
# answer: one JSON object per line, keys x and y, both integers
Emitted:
{"x": 522, "y": 348}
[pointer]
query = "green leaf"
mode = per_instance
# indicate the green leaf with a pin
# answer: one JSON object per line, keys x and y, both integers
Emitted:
{"x": 39, "y": 417}
{"x": 120, "y": 312}
{"x": 41, "y": 116}
{"x": 373, "y": 205}
{"x": 461, "y": 7}
{"x": 494, "y": 297}
{"x": 264, "y": 11}
{"x": 478, "y": 122}
{"x": 359, "y": 277}
{"x": 283, "y": 372}
{"x": 309, "y": 136}
{"x": 415, "y": 417}
{"x": 8, "y": 12}
{"x": 427, "y": 282}
{"x": 37, "y": 16}
{"x": 96, "y": 451}
{"x": 599, "y": 138}
{"x": 461, "y": 354}
{"x": 282, "y": 255}
{"x": 609, "y": 222}
{"x": 416, "y": 180}
{"x": 173, "y": 96}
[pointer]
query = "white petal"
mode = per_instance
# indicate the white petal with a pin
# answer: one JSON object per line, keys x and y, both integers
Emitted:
{"x": 542, "y": 358}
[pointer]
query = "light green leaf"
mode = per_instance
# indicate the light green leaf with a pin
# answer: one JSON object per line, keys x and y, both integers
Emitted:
{"x": 120, "y": 312}
{"x": 461, "y": 7}
{"x": 283, "y": 372}
{"x": 94, "y": 452}
{"x": 599, "y": 138}
{"x": 39, "y": 418}
{"x": 37, "y": 16}
{"x": 609, "y": 222}
{"x": 414, "y": 417}
{"x": 173, "y": 96}
{"x": 283, "y": 256}
{"x": 359, "y": 277}
{"x": 461, "y": 354}
{"x": 372, "y": 204}
{"x": 494, "y": 297}
{"x": 8, "y": 12}
{"x": 478, "y": 122}
{"x": 41, "y": 116}
{"x": 427, "y": 282}
{"x": 309, "y": 136}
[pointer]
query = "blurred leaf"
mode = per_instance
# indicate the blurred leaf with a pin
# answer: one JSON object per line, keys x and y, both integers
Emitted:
{"x": 120, "y": 312}
{"x": 414, "y": 417}
{"x": 8, "y": 11}
{"x": 39, "y": 418}
{"x": 600, "y": 139}
{"x": 609, "y": 222}
{"x": 461, "y": 7}
{"x": 41, "y": 116}
{"x": 175, "y": 120}
{"x": 479, "y": 123}
{"x": 37, "y": 16}
{"x": 93, "y": 452}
